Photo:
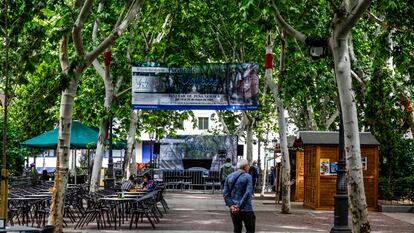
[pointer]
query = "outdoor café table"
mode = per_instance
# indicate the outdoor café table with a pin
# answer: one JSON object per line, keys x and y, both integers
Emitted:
{"x": 40, "y": 195}
{"x": 21, "y": 229}
{"x": 118, "y": 206}
{"x": 137, "y": 193}
{"x": 126, "y": 195}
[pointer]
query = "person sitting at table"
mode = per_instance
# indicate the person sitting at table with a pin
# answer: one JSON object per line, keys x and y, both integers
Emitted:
{"x": 45, "y": 175}
{"x": 129, "y": 184}
{"x": 147, "y": 184}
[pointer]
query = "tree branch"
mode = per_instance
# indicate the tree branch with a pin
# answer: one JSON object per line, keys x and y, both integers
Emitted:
{"x": 242, "y": 125}
{"x": 411, "y": 122}
{"x": 331, "y": 119}
{"x": 361, "y": 81}
{"x": 123, "y": 92}
{"x": 76, "y": 31}
{"x": 225, "y": 128}
{"x": 356, "y": 76}
{"x": 162, "y": 33}
{"x": 351, "y": 49}
{"x": 354, "y": 16}
{"x": 385, "y": 24}
{"x": 96, "y": 24}
{"x": 95, "y": 29}
{"x": 151, "y": 41}
{"x": 132, "y": 12}
{"x": 118, "y": 85}
{"x": 333, "y": 5}
{"x": 219, "y": 41}
{"x": 63, "y": 54}
{"x": 98, "y": 68}
{"x": 286, "y": 27}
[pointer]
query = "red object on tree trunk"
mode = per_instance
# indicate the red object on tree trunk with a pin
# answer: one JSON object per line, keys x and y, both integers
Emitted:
{"x": 269, "y": 61}
{"x": 107, "y": 58}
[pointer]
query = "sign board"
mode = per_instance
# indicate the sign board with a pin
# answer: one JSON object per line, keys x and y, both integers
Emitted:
{"x": 204, "y": 86}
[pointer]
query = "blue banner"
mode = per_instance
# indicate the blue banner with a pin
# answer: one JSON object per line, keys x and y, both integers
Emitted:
{"x": 205, "y": 87}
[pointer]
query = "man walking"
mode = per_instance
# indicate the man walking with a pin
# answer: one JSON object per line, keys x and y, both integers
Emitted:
{"x": 238, "y": 189}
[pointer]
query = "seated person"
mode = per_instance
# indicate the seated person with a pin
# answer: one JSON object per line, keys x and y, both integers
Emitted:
{"x": 148, "y": 184}
{"x": 45, "y": 175}
{"x": 128, "y": 185}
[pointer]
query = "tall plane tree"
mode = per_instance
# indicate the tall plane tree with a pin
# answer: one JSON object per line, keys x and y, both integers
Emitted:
{"x": 74, "y": 68}
{"x": 281, "y": 116}
{"x": 345, "y": 18}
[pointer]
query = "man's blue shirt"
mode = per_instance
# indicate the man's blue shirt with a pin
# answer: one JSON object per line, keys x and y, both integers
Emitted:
{"x": 241, "y": 195}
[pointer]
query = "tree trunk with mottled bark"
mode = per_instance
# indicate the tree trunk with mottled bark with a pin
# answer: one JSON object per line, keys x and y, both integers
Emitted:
{"x": 310, "y": 113}
{"x": 339, "y": 43}
{"x": 131, "y": 143}
{"x": 345, "y": 19}
{"x": 285, "y": 208}
{"x": 130, "y": 12}
{"x": 103, "y": 131}
{"x": 62, "y": 162}
{"x": 249, "y": 142}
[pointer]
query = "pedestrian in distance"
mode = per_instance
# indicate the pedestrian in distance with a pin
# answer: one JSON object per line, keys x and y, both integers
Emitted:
{"x": 254, "y": 172}
{"x": 225, "y": 170}
{"x": 238, "y": 189}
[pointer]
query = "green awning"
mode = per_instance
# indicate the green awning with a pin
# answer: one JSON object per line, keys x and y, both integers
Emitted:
{"x": 81, "y": 137}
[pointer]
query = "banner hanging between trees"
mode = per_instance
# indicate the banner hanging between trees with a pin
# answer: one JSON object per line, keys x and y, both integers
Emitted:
{"x": 187, "y": 151}
{"x": 204, "y": 86}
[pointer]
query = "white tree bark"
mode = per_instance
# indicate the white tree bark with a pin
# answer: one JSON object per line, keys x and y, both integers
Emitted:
{"x": 57, "y": 205}
{"x": 342, "y": 25}
{"x": 63, "y": 149}
{"x": 249, "y": 142}
{"x": 285, "y": 208}
{"x": 339, "y": 43}
{"x": 331, "y": 119}
{"x": 411, "y": 123}
{"x": 311, "y": 120}
{"x": 109, "y": 96}
{"x": 352, "y": 145}
{"x": 103, "y": 132}
{"x": 221, "y": 120}
{"x": 131, "y": 143}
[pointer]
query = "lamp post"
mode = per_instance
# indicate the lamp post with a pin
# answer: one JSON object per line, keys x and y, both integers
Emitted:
{"x": 341, "y": 196}
{"x": 318, "y": 48}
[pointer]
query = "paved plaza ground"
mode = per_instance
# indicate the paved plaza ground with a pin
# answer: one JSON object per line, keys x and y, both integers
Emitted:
{"x": 206, "y": 213}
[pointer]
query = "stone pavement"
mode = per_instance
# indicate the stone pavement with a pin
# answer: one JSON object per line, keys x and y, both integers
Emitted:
{"x": 206, "y": 213}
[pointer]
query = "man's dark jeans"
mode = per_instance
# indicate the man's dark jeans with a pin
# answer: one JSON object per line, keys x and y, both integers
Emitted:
{"x": 249, "y": 220}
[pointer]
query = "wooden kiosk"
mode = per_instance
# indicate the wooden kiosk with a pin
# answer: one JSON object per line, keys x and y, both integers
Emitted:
{"x": 297, "y": 173}
{"x": 321, "y": 152}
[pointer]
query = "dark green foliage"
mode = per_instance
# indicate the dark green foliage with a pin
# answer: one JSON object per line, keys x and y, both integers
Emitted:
{"x": 15, "y": 155}
{"x": 400, "y": 189}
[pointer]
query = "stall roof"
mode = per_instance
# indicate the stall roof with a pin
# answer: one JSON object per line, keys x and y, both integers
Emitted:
{"x": 81, "y": 137}
{"x": 332, "y": 138}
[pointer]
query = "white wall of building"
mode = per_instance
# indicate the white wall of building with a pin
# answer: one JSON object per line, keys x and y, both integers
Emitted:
{"x": 188, "y": 130}
{"x": 50, "y": 161}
